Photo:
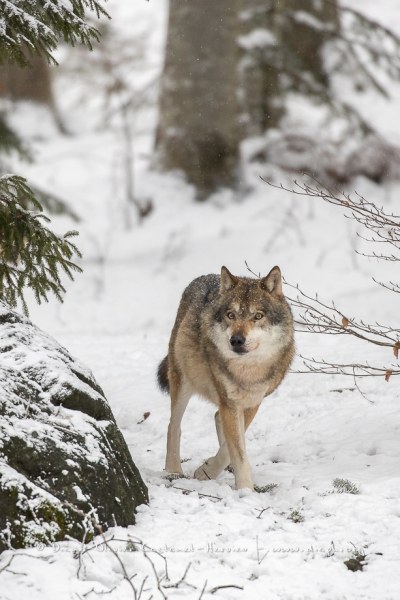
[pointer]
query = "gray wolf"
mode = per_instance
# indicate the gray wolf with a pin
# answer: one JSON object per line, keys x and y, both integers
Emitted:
{"x": 232, "y": 343}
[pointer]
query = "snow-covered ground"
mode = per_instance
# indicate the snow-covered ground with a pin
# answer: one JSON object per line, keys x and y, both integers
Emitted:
{"x": 291, "y": 540}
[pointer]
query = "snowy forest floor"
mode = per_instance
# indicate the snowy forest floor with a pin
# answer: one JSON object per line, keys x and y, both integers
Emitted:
{"x": 290, "y": 541}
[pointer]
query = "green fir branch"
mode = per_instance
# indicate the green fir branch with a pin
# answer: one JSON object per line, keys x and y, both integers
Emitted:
{"x": 36, "y": 27}
{"x": 31, "y": 255}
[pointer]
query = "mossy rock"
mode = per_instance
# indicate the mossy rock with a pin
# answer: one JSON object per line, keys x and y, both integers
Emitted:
{"x": 65, "y": 469}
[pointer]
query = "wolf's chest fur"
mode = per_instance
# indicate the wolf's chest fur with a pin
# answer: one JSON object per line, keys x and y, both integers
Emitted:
{"x": 243, "y": 380}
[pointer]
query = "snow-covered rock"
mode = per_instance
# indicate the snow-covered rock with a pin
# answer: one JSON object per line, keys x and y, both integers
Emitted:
{"x": 65, "y": 469}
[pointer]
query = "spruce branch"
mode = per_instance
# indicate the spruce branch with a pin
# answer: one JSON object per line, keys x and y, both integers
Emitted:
{"x": 31, "y": 255}
{"x": 381, "y": 43}
{"x": 11, "y": 141}
{"x": 360, "y": 48}
{"x": 30, "y": 27}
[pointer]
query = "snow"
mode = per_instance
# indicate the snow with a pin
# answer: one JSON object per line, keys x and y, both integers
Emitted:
{"x": 258, "y": 38}
{"x": 309, "y": 20}
{"x": 117, "y": 317}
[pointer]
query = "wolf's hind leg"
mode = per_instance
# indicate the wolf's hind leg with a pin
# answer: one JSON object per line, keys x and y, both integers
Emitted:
{"x": 180, "y": 396}
{"x": 214, "y": 465}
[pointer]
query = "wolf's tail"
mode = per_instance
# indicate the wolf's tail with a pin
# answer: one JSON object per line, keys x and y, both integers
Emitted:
{"x": 162, "y": 375}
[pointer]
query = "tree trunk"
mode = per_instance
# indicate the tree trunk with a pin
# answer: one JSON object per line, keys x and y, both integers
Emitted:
{"x": 27, "y": 83}
{"x": 198, "y": 130}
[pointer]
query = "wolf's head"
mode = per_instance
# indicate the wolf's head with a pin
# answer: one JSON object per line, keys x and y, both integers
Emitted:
{"x": 251, "y": 315}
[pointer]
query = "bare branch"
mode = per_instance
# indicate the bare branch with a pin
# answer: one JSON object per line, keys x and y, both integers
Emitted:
{"x": 8, "y": 563}
{"x": 181, "y": 581}
{"x": 386, "y": 226}
{"x": 258, "y": 275}
{"x": 391, "y": 286}
{"x": 319, "y": 317}
{"x": 199, "y": 493}
{"x": 203, "y": 590}
{"x": 353, "y": 369}
{"x": 224, "y": 587}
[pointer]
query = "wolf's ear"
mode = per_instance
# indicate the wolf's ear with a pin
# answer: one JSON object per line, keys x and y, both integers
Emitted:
{"x": 228, "y": 281}
{"x": 273, "y": 282}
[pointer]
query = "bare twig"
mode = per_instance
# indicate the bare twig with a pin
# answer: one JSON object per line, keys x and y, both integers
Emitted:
{"x": 141, "y": 589}
{"x": 5, "y": 567}
{"x": 100, "y": 593}
{"x": 354, "y": 369}
{"x": 203, "y": 590}
{"x": 181, "y": 581}
{"x": 384, "y": 226}
{"x": 199, "y": 493}
{"x": 149, "y": 549}
{"x": 261, "y": 511}
{"x": 156, "y": 576}
{"x": 258, "y": 275}
{"x": 121, "y": 564}
{"x": 319, "y": 317}
{"x": 224, "y": 587}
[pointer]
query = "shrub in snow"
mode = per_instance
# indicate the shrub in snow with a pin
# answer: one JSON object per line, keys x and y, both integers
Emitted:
{"x": 344, "y": 486}
{"x": 65, "y": 469}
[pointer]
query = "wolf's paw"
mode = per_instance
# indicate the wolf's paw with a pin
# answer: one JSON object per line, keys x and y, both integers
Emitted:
{"x": 172, "y": 476}
{"x": 245, "y": 491}
{"x": 202, "y": 473}
{"x": 243, "y": 482}
{"x": 206, "y": 471}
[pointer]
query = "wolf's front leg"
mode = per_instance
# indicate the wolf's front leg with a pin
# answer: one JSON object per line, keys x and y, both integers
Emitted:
{"x": 214, "y": 465}
{"x": 233, "y": 424}
{"x": 180, "y": 396}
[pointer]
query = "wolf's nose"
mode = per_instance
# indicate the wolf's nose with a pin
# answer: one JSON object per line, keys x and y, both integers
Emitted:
{"x": 237, "y": 340}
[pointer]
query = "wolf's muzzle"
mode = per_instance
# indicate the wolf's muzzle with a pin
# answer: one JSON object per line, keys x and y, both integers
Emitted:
{"x": 237, "y": 343}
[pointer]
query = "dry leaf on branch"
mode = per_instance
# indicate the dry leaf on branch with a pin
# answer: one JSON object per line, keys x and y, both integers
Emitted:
{"x": 145, "y": 416}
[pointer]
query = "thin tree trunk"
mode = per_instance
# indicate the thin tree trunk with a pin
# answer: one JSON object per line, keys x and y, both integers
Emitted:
{"x": 302, "y": 38}
{"x": 261, "y": 100}
{"x": 282, "y": 44}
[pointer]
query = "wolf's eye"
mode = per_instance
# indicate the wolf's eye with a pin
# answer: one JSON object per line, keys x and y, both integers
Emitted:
{"x": 230, "y": 315}
{"x": 258, "y": 316}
